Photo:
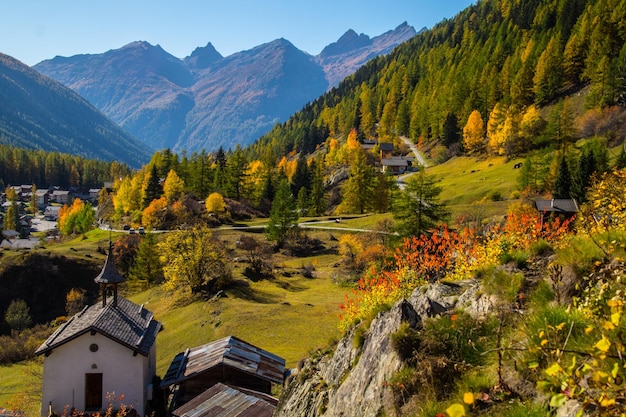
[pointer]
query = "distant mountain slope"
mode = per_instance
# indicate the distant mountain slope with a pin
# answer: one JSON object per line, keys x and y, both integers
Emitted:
{"x": 206, "y": 100}
{"x": 352, "y": 51}
{"x": 242, "y": 96}
{"x": 37, "y": 112}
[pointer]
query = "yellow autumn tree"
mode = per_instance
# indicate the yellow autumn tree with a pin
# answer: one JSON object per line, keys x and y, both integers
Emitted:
{"x": 153, "y": 216}
{"x": 215, "y": 203}
{"x": 531, "y": 124}
{"x": 194, "y": 260}
{"x": 331, "y": 155}
{"x": 289, "y": 166}
{"x": 474, "y": 133}
{"x": 173, "y": 187}
{"x": 255, "y": 178}
{"x": 77, "y": 218}
{"x": 494, "y": 127}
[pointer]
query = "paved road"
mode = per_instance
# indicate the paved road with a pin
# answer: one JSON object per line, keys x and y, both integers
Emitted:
{"x": 418, "y": 157}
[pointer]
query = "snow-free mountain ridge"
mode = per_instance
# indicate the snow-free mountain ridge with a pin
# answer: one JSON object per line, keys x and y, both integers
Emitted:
{"x": 205, "y": 100}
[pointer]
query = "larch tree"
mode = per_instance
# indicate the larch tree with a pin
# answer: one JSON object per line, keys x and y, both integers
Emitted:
{"x": 215, "y": 203}
{"x": 548, "y": 73}
{"x": 357, "y": 191}
{"x": 474, "y": 133}
{"x": 173, "y": 186}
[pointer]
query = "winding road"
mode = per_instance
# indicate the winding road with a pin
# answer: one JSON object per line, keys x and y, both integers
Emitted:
{"x": 418, "y": 157}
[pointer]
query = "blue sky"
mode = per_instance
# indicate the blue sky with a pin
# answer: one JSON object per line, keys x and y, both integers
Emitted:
{"x": 34, "y": 30}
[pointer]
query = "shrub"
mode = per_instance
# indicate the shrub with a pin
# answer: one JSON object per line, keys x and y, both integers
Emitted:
{"x": 405, "y": 341}
{"x": 459, "y": 337}
{"x": 503, "y": 285}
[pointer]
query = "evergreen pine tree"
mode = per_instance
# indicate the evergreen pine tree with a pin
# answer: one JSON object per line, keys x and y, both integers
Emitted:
{"x": 317, "y": 202}
{"x": 417, "y": 209}
{"x": 302, "y": 202}
{"x": 357, "y": 192}
{"x": 451, "y": 131}
{"x": 301, "y": 176}
{"x": 153, "y": 189}
{"x": 283, "y": 215}
{"x": 147, "y": 267}
{"x": 621, "y": 159}
{"x": 563, "y": 183}
{"x": 236, "y": 174}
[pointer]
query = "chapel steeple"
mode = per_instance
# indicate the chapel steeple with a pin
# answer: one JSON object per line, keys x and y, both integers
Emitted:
{"x": 109, "y": 277}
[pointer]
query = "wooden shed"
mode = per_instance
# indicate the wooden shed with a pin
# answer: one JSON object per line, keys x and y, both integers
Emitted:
{"x": 230, "y": 361}
{"x": 226, "y": 401}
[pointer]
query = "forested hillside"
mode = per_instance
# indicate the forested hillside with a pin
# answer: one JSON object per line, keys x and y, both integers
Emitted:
{"x": 504, "y": 60}
{"x": 45, "y": 169}
{"x": 37, "y": 112}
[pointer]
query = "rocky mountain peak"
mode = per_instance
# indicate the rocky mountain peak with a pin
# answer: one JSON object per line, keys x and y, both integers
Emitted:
{"x": 347, "y": 42}
{"x": 203, "y": 57}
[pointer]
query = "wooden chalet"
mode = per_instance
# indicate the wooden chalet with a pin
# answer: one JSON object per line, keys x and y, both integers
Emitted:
{"x": 565, "y": 207}
{"x": 229, "y": 361}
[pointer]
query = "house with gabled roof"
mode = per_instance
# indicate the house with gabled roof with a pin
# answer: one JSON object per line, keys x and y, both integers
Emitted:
{"x": 229, "y": 361}
{"x": 106, "y": 350}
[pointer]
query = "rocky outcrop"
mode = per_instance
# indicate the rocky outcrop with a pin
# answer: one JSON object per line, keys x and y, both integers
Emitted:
{"x": 352, "y": 380}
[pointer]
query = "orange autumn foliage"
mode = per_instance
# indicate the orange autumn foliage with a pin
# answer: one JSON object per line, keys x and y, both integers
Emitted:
{"x": 447, "y": 254}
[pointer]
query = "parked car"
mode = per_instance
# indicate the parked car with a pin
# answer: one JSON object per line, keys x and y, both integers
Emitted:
{"x": 131, "y": 230}
{"x": 126, "y": 227}
{"x": 141, "y": 230}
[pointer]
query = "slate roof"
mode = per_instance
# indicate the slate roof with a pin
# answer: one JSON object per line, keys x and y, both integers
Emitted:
{"x": 557, "y": 205}
{"x": 225, "y": 401}
{"x": 385, "y": 146}
{"x": 229, "y": 351}
{"x": 126, "y": 323}
{"x": 395, "y": 162}
{"x": 109, "y": 274}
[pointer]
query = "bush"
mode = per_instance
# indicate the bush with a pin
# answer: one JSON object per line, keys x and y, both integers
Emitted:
{"x": 459, "y": 337}
{"x": 405, "y": 341}
{"x": 20, "y": 346}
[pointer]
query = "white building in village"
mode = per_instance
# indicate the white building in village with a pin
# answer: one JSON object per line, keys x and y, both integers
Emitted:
{"x": 107, "y": 348}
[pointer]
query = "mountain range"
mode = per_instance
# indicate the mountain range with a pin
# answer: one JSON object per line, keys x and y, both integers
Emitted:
{"x": 37, "y": 112}
{"x": 205, "y": 100}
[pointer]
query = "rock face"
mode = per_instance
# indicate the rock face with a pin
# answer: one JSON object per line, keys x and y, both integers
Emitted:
{"x": 352, "y": 381}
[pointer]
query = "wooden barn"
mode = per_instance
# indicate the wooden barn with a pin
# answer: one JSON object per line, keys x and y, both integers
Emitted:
{"x": 229, "y": 361}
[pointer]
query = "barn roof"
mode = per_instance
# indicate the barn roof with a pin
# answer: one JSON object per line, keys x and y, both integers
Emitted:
{"x": 226, "y": 401}
{"x": 229, "y": 351}
{"x": 557, "y": 205}
{"x": 126, "y": 323}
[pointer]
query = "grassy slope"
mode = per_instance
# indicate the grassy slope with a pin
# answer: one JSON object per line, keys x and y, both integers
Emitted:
{"x": 291, "y": 315}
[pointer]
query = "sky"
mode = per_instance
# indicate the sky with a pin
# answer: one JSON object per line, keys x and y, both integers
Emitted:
{"x": 34, "y": 30}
